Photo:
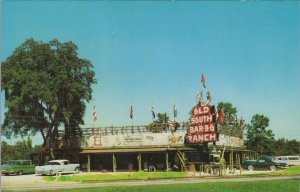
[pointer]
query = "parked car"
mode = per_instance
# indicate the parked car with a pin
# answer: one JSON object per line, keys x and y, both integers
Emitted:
{"x": 17, "y": 167}
{"x": 55, "y": 166}
{"x": 264, "y": 162}
{"x": 291, "y": 159}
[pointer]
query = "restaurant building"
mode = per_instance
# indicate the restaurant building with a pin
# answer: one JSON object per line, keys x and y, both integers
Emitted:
{"x": 134, "y": 148}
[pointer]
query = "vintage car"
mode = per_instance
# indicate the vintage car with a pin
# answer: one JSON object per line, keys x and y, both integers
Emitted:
{"x": 56, "y": 166}
{"x": 264, "y": 162}
{"x": 290, "y": 159}
{"x": 17, "y": 167}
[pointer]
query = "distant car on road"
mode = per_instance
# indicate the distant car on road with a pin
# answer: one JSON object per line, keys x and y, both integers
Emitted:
{"x": 290, "y": 159}
{"x": 17, "y": 167}
{"x": 264, "y": 162}
{"x": 56, "y": 166}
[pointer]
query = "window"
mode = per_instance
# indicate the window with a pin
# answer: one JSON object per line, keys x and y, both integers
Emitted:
{"x": 26, "y": 163}
{"x": 293, "y": 158}
{"x": 66, "y": 162}
{"x": 97, "y": 141}
{"x": 53, "y": 163}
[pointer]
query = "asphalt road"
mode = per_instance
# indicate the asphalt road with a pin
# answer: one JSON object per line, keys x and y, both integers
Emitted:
{"x": 34, "y": 182}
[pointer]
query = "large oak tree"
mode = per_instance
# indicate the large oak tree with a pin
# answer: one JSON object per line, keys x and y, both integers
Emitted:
{"x": 46, "y": 88}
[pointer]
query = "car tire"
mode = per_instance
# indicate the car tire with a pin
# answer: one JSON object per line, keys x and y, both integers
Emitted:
{"x": 250, "y": 167}
{"x": 273, "y": 168}
{"x": 50, "y": 172}
{"x": 76, "y": 170}
{"x": 20, "y": 172}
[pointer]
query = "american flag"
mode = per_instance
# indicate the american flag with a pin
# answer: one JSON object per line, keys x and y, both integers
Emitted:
{"x": 94, "y": 114}
{"x": 131, "y": 112}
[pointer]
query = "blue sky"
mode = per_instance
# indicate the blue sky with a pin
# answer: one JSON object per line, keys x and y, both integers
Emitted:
{"x": 155, "y": 52}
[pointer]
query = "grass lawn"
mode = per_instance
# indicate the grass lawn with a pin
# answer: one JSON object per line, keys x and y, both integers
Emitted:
{"x": 291, "y": 171}
{"x": 250, "y": 186}
{"x": 90, "y": 178}
{"x": 294, "y": 170}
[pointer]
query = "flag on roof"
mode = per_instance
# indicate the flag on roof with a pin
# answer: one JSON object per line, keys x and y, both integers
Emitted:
{"x": 131, "y": 112}
{"x": 94, "y": 114}
{"x": 203, "y": 80}
{"x": 175, "y": 111}
{"x": 153, "y": 112}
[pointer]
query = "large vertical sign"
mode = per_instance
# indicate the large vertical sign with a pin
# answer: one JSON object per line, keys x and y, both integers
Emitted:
{"x": 203, "y": 125}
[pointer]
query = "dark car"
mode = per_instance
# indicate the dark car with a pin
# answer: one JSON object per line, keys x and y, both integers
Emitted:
{"x": 17, "y": 167}
{"x": 264, "y": 162}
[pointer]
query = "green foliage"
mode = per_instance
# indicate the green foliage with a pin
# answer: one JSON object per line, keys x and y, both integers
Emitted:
{"x": 228, "y": 109}
{"x": 21, "y": 150}
{"x": 286, "y": 147}
{"x": 161, "y": 123}
{"x": 46, "y": 86}
{"x": 259, "y": 138}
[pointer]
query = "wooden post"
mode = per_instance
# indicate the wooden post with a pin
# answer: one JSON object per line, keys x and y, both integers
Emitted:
{"x": 167, "y": 161}
{"x": 114, "y": 163}
{"x": 139, "y": 158}
{"x": 89, "y": 164}
{"x": 240, "y": 164}
{"x": 236, "y": 159}
{"x": 232, "y": 161}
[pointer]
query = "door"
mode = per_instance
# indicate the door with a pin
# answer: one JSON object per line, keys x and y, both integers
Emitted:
{"x": 28, "y": 167}
{"x": 262, "y": 164}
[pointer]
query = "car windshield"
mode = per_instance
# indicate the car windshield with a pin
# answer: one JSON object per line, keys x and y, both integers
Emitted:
{"x": 52, "y": 163}
{"x": 11, "y": 163}
{"x": 268, "y": 158}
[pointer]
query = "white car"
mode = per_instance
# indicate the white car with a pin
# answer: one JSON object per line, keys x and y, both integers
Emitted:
{"x": 56, "y": 166}
{"x": 290, "y": 159}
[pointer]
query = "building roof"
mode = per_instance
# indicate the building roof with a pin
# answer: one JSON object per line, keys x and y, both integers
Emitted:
{"x": 134, "y": 149}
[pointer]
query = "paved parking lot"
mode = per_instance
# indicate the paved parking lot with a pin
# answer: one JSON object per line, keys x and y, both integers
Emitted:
{"x": 12, "y": 180}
